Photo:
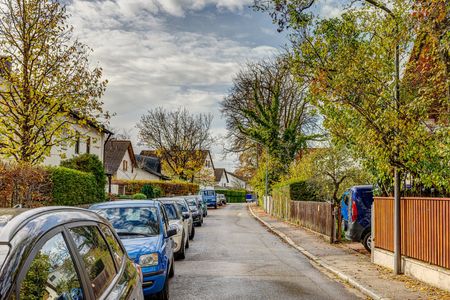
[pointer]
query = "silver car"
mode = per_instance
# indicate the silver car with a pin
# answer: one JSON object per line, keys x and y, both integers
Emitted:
{"x": 181, "y": 239}
{"x": 186, "y": 213}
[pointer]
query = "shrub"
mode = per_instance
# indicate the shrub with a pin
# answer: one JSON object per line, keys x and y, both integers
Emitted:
{"x": 151, "y": 191}
{"x": 169, "y": 188}
{"x": 72, "y": 187}
{"x": 233, "y": 196}
{"x": 139, "y": 196}
{"x": 298, "y": 190}
{"x": 89, "y": 163}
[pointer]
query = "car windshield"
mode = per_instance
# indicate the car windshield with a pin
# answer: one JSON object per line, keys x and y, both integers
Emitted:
{"x": 183, "y": 207}
{"x": 192, "y": 202}
{"x": 141, "y": 221}
{"x": 209, "y": 193}
{"x": 171, "y": 211}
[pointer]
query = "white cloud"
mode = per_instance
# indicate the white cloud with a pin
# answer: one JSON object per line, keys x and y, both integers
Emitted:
{"x": 149, "y": 65}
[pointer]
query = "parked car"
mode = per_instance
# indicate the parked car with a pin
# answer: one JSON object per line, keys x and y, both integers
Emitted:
{"x": 181, "y": 239}
{"x": 209, "y": 196}
{"x": 203, "y": 205}
{"x": 195, "y": 208}
{"x": 63, "y": 253}
{"x": 356, "y": 208}
{"x": 186, "y": 213}
{"x": 250, "y": 198}
{"x": 221, "y": 199}
{"x": 144, "y": 229}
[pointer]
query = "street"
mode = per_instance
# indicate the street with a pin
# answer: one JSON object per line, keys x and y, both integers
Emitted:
{"x": 235, "y": 257}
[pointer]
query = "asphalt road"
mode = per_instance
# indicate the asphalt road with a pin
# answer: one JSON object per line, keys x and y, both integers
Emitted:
{"x": 234, "y": 257}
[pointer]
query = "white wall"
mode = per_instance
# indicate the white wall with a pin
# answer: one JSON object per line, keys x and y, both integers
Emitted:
{"x": 236, "y": 182}
{"x": 223, "y": 180}
{"x": 144, "y": 175}
{"x": 68, "y": 151}
{"x": 130, "y": 173}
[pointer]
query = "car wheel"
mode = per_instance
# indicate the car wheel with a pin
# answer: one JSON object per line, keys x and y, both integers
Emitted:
{"x": 182, "y": 253}
{"x": 199, "y": 224}
{"x": 191, "y": 237}
{"x": 367, "y": 241}
{"x": 164, "y": 294}
{"x": 215, "y": 206}
{"x": 172, "y": 270}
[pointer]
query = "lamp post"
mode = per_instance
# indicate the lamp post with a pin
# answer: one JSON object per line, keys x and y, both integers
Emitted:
{"x": 397, "y": 203}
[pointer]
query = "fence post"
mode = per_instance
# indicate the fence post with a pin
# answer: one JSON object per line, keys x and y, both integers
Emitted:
{"x": 372, "y": 228}
{"x": 333, "y": 223}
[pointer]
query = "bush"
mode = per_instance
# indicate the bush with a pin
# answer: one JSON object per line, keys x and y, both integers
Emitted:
{"x": 89, "y": 163}
{"x": 73, "y": 187}
{"x": 233, "y": 196}
{"x": 139, "y": 196}
{"x": 151, "y": 191}
{"x": 298, "y": 190}
{"x": 167, "y": 188}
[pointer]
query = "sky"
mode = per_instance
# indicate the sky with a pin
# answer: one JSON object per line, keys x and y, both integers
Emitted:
{"x": 174, "y": 53}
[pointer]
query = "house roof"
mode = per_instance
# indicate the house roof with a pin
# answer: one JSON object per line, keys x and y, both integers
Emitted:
{"x": 94, "y": 124}
{"x": 115, "y": 151}
{"x": 150, "y": 164}
{"x": 238, "y": 177}
{"x": 203, "y": 154}
{"x": 218, "y": 173}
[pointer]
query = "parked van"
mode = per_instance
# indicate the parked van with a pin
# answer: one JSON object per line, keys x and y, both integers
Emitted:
{"x": 356, "y": 210}
{"x": 209, "y": 195}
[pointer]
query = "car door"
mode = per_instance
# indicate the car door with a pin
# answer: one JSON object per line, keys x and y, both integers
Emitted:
{"x": 168, "y": 241}
{"x": 52, "y": 271}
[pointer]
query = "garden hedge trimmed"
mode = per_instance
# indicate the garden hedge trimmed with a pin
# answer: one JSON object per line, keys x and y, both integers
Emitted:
{"x": 72, "y": 187}
{"x": 168, "y": 188}
{"x": 233, "y": 196}
{"x": 298, "y": 190}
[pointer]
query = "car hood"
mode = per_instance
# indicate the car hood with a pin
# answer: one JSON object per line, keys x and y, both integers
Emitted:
{"x": 139, "y": 246}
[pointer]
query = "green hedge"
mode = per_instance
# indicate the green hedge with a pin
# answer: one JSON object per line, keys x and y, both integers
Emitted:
{"x": 139, "y": 196}
{"x": 233, "y": 196}
{"x": 303, "y": 191}
{"x": 73, "y": 187}
{"x": 164, "y": 188}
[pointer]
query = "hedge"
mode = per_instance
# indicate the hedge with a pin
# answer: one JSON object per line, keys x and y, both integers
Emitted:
{"x": 72, "y": 187}
{"x": 168, "y": 188}
{"x": 298, "y": 190}
{"x": 233, "y": 196}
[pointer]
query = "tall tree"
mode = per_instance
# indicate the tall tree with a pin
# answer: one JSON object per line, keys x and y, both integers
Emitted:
{"x": 45, "y": 78}
{"x": 268, "y": 106}
{"x": 180, "y": 139}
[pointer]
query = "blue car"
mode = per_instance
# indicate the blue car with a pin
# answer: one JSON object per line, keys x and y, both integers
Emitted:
{"x": 144, "y": 229}
{"x": 209, "y": 196}
{"x": 356, "y": 210}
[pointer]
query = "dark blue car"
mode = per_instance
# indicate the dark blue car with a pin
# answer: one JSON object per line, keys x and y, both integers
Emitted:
{"x": 144, "y": 229}
{"x": 356, "y": 208}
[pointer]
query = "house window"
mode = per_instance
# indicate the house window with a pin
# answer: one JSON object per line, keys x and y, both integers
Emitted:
{"x": 125, "y": 165}
{"x": 88, "y": 145}
{"x": 207, "y": 163}
{"x": 77, "y": 145}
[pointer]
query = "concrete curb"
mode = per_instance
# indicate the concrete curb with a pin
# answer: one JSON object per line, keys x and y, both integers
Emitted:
{"x": 366, "y": 291}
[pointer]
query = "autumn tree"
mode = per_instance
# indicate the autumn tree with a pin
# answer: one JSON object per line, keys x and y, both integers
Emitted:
{"x": 46, "y": 81}
{"x": 351, "y": 60}
{"x": 181, "y": 139}
{"x": 267, "y": 107}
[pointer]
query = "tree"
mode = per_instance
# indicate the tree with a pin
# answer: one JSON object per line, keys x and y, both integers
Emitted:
{"x": 351, "y": 62}
{"x": 268, "y": 107}
{"x": 47, "y": 84}
{"x": 180, "y": 139}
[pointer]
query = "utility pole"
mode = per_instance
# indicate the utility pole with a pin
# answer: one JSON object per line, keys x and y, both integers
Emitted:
{"x": 397, "y": 201}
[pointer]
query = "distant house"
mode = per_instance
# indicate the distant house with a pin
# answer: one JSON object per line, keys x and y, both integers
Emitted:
{"x": 225, "y": 179}
{"x": 149, "y": 168}
{"x": 91, "y": 139}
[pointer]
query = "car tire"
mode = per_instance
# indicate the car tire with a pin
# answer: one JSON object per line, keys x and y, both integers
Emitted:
{"x": 191, "y": 237}
{"x": 367, "y": 241}
{"x": 182, "y": 253}
{"x": 199, "y": 224}
{"x": 172, "y": 269}
{"x": 215, "y": 206}
{"x": 187, "y": 243}
{"x": 164, "y": 294}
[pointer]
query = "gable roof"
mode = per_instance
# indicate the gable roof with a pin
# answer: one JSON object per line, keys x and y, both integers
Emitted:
{"x": 218, "y": 173}
{"x": 204, "y": 154}
{"x": 115, "y": 151}
{"x": 150, "y": 164}
{"x": 236, "y": 176}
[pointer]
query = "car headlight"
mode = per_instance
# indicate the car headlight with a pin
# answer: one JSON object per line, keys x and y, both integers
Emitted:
{"x": 148, "y": 260}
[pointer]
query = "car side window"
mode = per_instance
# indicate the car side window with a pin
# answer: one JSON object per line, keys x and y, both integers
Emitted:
{"x": 165, "y": 218}
{"x": 97, "y": 259}
{"x": 347, "y": 198}
{"x": 117, "y": 250}
{"x": 52, "y": 274}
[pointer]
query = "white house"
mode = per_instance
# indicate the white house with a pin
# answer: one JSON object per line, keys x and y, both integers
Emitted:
{"x": 225, "y": 179}
{"x": 91, "y": 139}
{"x": 221, "y": 177}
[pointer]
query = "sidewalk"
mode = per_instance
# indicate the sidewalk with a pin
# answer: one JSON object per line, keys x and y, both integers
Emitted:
{"x": 349, "y": 265}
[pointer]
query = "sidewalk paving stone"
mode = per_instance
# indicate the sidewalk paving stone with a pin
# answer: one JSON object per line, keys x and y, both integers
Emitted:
{"x": 353, "y": 261}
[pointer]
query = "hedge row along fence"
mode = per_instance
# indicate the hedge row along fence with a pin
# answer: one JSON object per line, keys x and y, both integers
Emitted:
{"x": 233, "y": 196}
{"x": 168, "y": 188}
{"x": 37, "y": 186}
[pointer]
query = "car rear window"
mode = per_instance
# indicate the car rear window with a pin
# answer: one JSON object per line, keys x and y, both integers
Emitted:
{"x": 171, "y": 211}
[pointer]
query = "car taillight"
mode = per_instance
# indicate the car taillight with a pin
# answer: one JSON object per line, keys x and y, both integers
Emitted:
{"x": 354, "y": 212}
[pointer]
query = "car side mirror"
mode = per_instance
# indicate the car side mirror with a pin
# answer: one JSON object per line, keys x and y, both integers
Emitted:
{"x": 185, "y": 216}
{"x": 171, "y": 232}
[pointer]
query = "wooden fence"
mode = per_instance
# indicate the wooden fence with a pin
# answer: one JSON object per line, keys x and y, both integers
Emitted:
{"x": 317, "y": 216}
{"x": 425, "y": 228}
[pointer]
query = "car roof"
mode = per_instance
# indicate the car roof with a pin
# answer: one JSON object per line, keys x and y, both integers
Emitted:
{"x": 125, "y": 203}
{"x": 362, "y": 187}
{"x": 13, "y": 219}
